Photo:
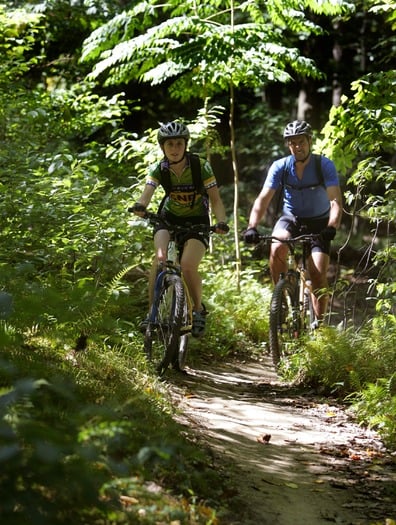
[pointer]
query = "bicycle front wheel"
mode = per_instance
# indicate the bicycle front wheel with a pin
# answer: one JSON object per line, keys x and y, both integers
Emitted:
{"x": 185, "y": 332}
{"x": 284, "y": 319}
{"x": 161, "y": 342}
{"x": 309, "y": 317}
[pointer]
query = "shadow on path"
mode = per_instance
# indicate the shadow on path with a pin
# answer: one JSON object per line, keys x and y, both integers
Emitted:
{"x": 292, "y": 459}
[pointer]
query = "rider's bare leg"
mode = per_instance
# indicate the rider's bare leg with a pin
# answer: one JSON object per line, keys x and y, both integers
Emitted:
{"x": 278, "y": 255}
{"x": 193, "y": 253}
{"x": 161, "y": 239}
{"x": 318, "y": 265}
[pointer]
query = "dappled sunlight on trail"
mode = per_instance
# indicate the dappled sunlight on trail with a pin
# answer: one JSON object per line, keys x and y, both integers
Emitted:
{"x": 281, "y": 446}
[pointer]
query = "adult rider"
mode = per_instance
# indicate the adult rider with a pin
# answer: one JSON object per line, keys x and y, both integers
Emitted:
{"x": 312, "y": 203}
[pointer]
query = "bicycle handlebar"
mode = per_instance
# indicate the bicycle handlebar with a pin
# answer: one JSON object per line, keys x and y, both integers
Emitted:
{"x": 155, "y": 218}
{"x": 300, "y": 239}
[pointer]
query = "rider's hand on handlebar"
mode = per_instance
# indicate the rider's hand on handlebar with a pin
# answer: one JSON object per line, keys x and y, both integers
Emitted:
{"x": 251, "y": 236}
{"x": 328, "y": 233}
{"x": 221, "y": 227}
{"x": 138, "y": 209}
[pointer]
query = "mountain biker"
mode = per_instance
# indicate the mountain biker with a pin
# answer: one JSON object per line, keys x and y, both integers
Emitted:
{"x": 312, "y": 203}
{"x": 183, "y": 204}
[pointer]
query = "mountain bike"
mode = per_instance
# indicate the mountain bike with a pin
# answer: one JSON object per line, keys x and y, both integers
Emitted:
{"x": 291, "y": 308}
{"x": 169, "y": 323}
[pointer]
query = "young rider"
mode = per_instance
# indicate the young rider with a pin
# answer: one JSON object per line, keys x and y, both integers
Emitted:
{"x": 183, "y": 204}
{"x": 312, "y": 201}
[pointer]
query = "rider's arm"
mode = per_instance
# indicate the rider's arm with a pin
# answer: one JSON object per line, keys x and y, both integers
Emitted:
{"x": 216, "y": 203}
{"x": 147, "y": 194}
{"x": 335, "y": 197}
{"x": 260, "y": 206}
{"x": 143, "y": 201}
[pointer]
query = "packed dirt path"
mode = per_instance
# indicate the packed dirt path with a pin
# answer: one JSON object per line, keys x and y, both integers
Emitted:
{"x": 289, "y": 457}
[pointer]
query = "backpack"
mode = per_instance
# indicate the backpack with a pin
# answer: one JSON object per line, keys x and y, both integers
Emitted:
{"x": 195, "y": 164}
{"x": 319, "y": 173}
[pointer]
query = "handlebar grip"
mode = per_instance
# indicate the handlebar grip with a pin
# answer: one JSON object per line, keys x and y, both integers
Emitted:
{"x": 137, "y": 207}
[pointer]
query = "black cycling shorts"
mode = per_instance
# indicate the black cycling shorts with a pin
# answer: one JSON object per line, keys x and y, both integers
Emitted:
{"x": 181, "y": 238}
{"x": 299, "y": 225}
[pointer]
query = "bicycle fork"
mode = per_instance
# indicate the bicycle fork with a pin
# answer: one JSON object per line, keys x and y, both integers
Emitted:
{"x": 153, "y": 315}
{"x": 188, "y": 315}
{"x": 294, "y": 278}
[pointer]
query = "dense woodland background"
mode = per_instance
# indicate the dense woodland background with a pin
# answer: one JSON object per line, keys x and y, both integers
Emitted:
{"x": 83, "y": 86}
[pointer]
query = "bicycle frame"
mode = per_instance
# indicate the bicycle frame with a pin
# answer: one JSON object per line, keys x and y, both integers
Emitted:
{"x": 172, "y": 267}
{"x": 299, "y": 272}
{"x": 291, "y": 300}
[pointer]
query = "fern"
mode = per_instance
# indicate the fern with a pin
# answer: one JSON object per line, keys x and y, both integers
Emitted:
{"x": 376, "y": 406}
{"x": 92, "y": 319}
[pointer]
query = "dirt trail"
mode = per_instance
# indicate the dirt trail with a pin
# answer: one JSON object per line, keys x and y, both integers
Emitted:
{"x": 290, "y": 457}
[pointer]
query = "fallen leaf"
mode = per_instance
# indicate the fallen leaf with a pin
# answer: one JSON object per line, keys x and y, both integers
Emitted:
{"x": 374, "y": 453}
{"x": 265, "y": 438}
{"x": 291, "y": 485}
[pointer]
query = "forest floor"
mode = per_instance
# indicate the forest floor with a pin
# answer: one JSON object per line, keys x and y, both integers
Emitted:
{"x": 288, "y": 456}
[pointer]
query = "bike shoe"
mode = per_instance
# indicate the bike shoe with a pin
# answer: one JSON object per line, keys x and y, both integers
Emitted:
{"x": 199, "y": 322}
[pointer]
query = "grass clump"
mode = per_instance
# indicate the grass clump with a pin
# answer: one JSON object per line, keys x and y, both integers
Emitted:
{"x": 375, "y": 406}
{"x": 239, "y": 319}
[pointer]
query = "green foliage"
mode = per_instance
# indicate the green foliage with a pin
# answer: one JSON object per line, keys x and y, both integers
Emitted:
{"x": 41, "y": 458}
{"x": 237, "y": 316}
{"x": 363, "y": 128}
{"x": 141, "y": 152}
{"x": 360, "y": 138}
{"x": 87, "y": 436}
{"x": 386, "y": 6}
{"x": 204, "y": 48}
{"x": 92, "y": 427}
{"x": 256, "y": 145}
{"x": 20, "y": 32}
{"x": 352, "y": 359}
{"x": 65, "y": 235}
{"x": 375, "y": 406}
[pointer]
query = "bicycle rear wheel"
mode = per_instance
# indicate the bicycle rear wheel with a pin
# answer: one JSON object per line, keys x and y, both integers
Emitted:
{"x": 284, "y": 319}
{"x": 161, "y": 341}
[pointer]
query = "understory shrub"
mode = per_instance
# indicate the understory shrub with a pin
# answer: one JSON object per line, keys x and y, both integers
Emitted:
{"x": 375, "y": 406}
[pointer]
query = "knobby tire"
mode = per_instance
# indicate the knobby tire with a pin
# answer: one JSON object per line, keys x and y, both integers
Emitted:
{"x": 161, "y": 342}
{"x": 284, "y": 325}
{"x": 309, "y": 316}
{"x": 181, "y": 355}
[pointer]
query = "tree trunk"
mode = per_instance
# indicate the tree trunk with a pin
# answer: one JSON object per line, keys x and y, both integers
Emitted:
{"x": 236, "y": 185}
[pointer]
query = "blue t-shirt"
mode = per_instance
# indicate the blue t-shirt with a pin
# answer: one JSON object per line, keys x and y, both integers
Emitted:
{"x": 306, "y": 197}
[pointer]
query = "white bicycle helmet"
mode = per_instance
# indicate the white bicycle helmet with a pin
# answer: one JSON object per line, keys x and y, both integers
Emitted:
{"x": 297, "y": 127}
{"x": 172, "y": 130}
